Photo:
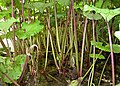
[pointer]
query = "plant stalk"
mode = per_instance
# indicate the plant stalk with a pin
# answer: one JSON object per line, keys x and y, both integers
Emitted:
{"x": 112, "y": 57}
{"x": 23, "y": 18}
{"x": 53, "y": 51}
{"x": 75, "y": 35}
{"x": 83, "y": 45}
{"x": 12, "y": 1}
{"x": 93, "y": 25}
{"x": 57, "y": 36}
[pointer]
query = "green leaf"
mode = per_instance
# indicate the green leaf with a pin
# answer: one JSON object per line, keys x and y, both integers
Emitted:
{"x": 12, "y": 69}
{"x": 4, "y": 26}
{"x": 118, "y": 84}
{"x": 2, "y": 68}
{"x": 107, "y": 14}
{"x": 5, "y": 13}
{"x": 99, "y": 3}
{"x": 29, "y": 30}
{"x": 106, "y": 4}
{"x": 80, "y": 5}
{"x": 7, "y": 35}
{"x": 116, "y": 3}
{"x": 98, "y": 45}
{"x": 20, "y": 59}
{"x": 116, "y": 47}
{"x": 90, "y": 15}
{"x": 13, "y": 73}
{"x": 2, "y": 59}
{"x": 64, "y": 2}
{"x": 97, "y": 56}
{"x": 117, "y": 34}
{"x": 38, "y": 5}
{"x": 60, "y": 15}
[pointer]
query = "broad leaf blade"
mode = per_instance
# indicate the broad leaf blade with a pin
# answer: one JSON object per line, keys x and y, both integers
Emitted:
{"x": 106, "y": 13}
{"x": 29, "y": 30}
{"x": 38, "y": 5}
{"x": 116, "y": 47}
{"x": 13, "y": 69}
{"x": 90, "y": 15}
{"x": 4, "y": 26}
{"x": 64, "y": 2}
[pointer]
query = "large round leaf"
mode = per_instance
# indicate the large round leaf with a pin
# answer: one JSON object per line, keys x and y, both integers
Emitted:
{"x": 29, "y": 30}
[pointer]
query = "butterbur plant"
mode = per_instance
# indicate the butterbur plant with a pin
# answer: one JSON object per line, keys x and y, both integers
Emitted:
{"x": 107, "y": 15}
{"x": 59, "y": 42}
